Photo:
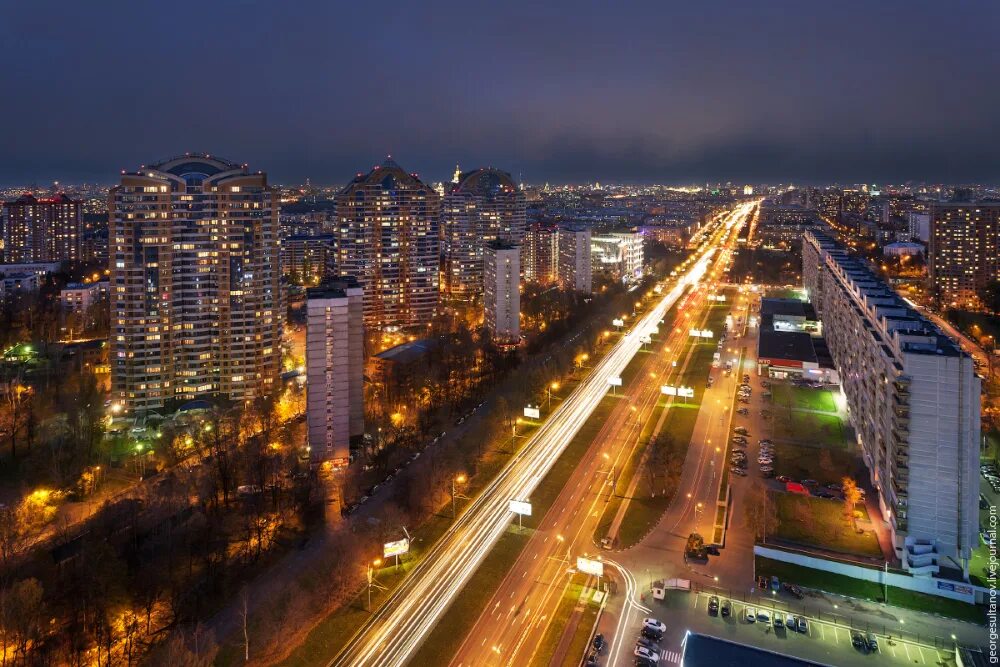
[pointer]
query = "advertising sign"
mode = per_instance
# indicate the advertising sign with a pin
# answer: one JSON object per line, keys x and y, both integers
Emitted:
{"x": 618, "y": 322}
{"x": 397, "y": 548}
{"x": 522, "y": 507}
{"x": 615, "y": 382}
{"x": 532, "y": 413}
{"x": 588, "y": 566}
{"x": 668, "y": 390}
{"x": 685, "y": 392}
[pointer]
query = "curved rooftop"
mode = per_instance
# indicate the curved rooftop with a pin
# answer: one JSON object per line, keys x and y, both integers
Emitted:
{"x": 389, "y": 175}
{"x": 488, "y": 182}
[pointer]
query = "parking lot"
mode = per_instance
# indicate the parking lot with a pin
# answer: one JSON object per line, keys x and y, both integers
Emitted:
{"x": 824, "y": 641}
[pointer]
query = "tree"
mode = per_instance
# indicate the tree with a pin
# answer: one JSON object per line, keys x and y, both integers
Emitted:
{"x": 759, "y": 512}
{"x": 990, "y": 296}
{"x": 852, "y": 495}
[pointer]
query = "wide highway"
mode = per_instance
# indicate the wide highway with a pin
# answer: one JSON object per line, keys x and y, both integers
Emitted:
{"x": 396, "y": 629}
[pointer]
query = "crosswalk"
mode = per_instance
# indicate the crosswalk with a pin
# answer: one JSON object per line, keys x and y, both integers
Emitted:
{"x": 670, "y": 656}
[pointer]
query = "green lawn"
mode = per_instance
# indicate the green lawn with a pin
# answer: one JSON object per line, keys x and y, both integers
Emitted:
{"x": 802, "y": 398}
{"x": 809, "y": 428}
{"x": 805, "y": 462}
{"x": 840, "y": 584}
{"x": 817, "y": 522}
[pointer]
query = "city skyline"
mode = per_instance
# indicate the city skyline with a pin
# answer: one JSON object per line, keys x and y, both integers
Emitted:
{"x": 671, "y": 94}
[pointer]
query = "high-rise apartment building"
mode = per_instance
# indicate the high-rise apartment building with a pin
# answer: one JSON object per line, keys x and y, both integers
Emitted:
{"x": 483, "y": 206}
{"x": 575, "y": 270}
{"x": 197, "y": 308}
{"x": 502, "y": 297}
{"x": 40, "y": 230}
{"x": 914, "y": 401}
{"x": 334, "y": 369}
{"x": 386, "y": 235}
{"x": 964, "y": 252}
{"x": 540, "y": 253}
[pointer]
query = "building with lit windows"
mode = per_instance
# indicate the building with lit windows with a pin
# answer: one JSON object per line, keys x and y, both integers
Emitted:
{"x": 619, "y": 255}
{"x": 964, "y": 251}
{"x": 386, "y": 235}
{"x": 575, "y": 268}
{"x": 540, "y": 253}
{"x": 914, "y": 402}
{"x": 485, "y": 205}
{"x": 197, "y": 309}
{"x": 41, "y": 230}
{"x": 334, "y": 369}
{"x": 501, "y": 294}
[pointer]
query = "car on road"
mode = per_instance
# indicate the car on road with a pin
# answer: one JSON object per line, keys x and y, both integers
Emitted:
{"x": 726, "y": 609}
{"x": 646, "y": 654}
{"x": 763, "y": 616}
{"x": 713, "y": 605}
{"x": 750, "y": 614}
{"x": 792, "y": 589}
{"x": 654, "y": 624}
{"x": 872, "y": 642}
{"x": 858, "y": 641}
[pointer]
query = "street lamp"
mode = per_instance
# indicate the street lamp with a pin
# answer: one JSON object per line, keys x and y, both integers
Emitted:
{"x": 460, "y": 479}
{"x": 370, "y": 569}
{"x": 550, "y": 388}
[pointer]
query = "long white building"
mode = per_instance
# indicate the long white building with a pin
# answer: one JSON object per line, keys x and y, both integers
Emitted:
{"x": 502, "y": 298}
{"x": 914, "y": 401}
{"x": 334, "y": 369}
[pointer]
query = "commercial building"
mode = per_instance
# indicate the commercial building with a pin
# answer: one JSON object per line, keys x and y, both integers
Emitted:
{"x": 41, "y": 230}
{"x": 540, "y": 253}
{"x": 482, "y": 206}
{"x": 334, "y": 369}
{"x": 914, "y": 401}
{"x": 502, "y": 297}
{"x": 386, "y": 235}
{"x": 790, "y": 344}
{"x": 902, "y": 249}
{"x": 575, "y": 268}
{"x": 195, "y": 279}
{"x": 618, "y": 254}
{"x": 964, "y": 252}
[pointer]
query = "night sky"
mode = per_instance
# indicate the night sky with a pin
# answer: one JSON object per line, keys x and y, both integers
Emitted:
{"x": 562, "y": 92}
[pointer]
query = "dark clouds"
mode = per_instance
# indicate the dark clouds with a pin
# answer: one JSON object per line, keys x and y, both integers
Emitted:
{"x": 855, "y": 91}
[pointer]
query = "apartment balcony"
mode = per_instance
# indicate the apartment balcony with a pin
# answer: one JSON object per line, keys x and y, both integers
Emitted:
{"x": 902, "y": 496}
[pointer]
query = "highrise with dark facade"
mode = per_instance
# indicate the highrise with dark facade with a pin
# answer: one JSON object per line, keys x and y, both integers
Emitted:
{"x": 484, "y": 205}
{"x": 386, "y": 236}
{"x": 197, "y": 309}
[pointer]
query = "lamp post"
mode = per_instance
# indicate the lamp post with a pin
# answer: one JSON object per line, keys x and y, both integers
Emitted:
{"x": 460, "y": 479}
{"x": 370, "y": 569}
{"x": 549, "y": 389}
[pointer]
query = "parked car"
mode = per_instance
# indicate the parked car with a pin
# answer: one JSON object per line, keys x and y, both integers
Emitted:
{"x": 784, "y": 479}
{"x": 599, "y": 643}
{"x": 779, "y": 621}
{"x": 645, "y": 653}
{"x": 858, "y": 640}
{"x": 650, "y": 633}
{"x": 654, "y": 624}
{"x": 764, "y": 617}
{"x": 750, "y": 614}
{"x": 809, "y": 482}
{"x": 713, "y": 604}
{"x": 872, "y": 642}
{"x": 802, "y": 625}
{"x": 726, "y": 609}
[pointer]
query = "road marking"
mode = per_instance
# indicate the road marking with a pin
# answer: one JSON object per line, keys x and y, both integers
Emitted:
{"x": 672, "y": 656}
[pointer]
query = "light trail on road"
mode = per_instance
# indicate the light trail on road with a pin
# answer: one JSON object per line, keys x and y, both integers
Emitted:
{"x": 396, "y": 629}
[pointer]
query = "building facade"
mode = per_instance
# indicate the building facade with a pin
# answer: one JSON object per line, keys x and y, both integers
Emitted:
{"x": 914, "y": 400}
{"x": 41, "y": 230}
{"x": 502, "y": 297}
{"x": 334, "y": 369}
{"x": 540, "y": 253}
{"x": 619, "y": 255}
{"x": 963, "y": 252}
{"x": 485, "y": 205}
{"x": 195, "y": 283}
{"x": 386, "y": 235}
{"x": 575, "y": 268}
{"x": 307, "y": 259}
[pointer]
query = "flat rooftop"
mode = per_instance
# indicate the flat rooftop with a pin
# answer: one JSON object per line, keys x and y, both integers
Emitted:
{"x": 787, "y": 345}
{"x": 787, "y": 307}
{"x": 408, "y": 352}
{"x": 706, "y": 651}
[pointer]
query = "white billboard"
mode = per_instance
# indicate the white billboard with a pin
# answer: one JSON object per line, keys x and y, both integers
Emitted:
{"x": 668, "y": 390}
{"x": 532, "y": 413}
{"x": 615, "y": 382}
{"x": 618, "y": 322}
{"x": 685, "y": 392}
{"x": 695, "y": 333}
{"x": 522, "y": 507}
{"x": 589, "y": 566}
{"x": 397, "y": 548}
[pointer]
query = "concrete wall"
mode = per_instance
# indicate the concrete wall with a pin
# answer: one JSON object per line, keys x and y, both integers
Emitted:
{"x": 926, "y": 585}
